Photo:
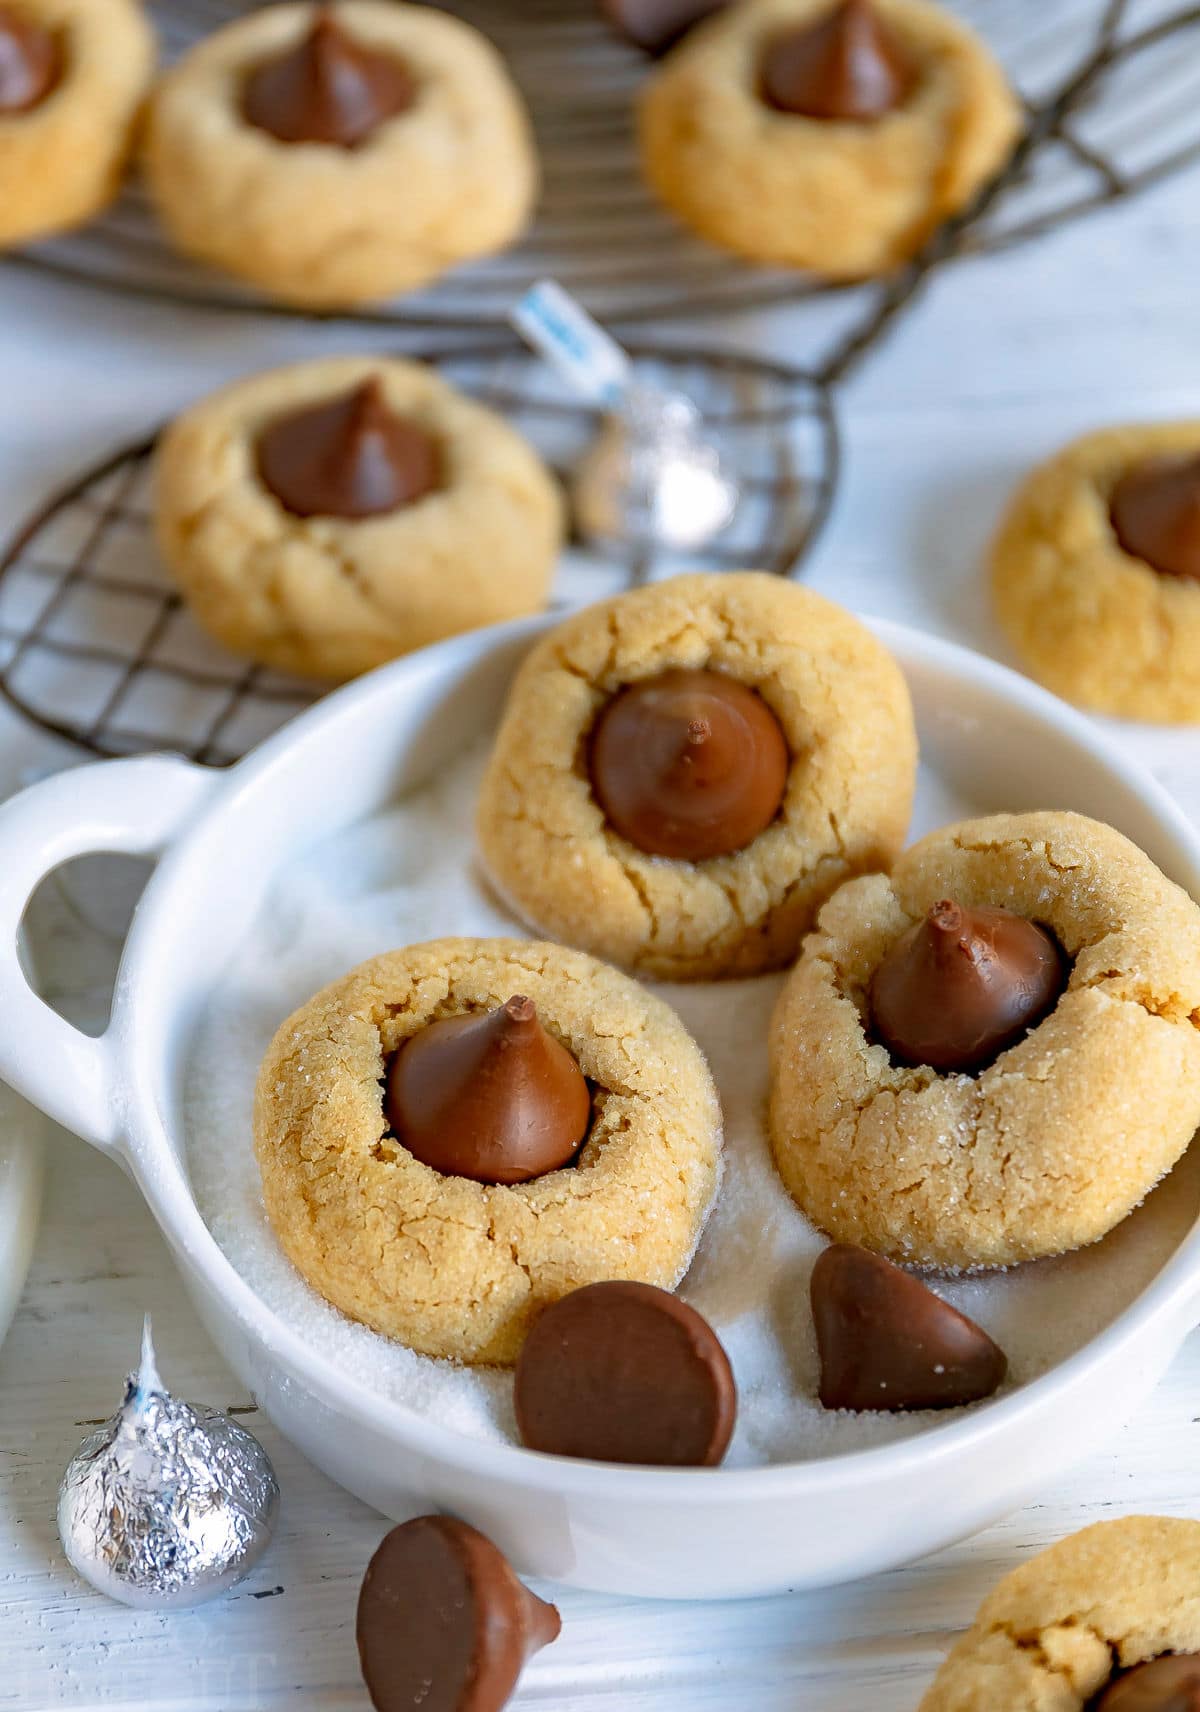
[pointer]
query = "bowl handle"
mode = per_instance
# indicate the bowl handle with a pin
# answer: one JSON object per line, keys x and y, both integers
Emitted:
{"x": 137, "y": 806}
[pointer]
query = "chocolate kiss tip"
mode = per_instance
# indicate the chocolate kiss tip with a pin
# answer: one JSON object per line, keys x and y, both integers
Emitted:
{"x": 367, "y": 404}
{"x": 946, "y": 916}
{"x": 520, "y": 1009}
{"x": 545, "y": 1622}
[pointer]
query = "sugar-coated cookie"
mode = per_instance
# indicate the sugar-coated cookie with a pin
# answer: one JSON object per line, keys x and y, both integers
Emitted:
{"x": 807, "y": 750}
{"x": 335, "y": 156}
{"x": 845, "y": 196}
{"x": 449, "y": 1265}
{"x": 1067, "y": 1130}
{"x": 75, "y": 75}
{"x": 449, "y": 519}
{"x": 1064, "y": 1631}
{"x": 1088, "y": 612}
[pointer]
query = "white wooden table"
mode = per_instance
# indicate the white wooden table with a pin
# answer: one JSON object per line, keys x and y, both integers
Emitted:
{"x": 1001, "y": 360}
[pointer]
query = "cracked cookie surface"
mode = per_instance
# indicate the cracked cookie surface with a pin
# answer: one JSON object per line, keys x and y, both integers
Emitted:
{"x": 1058, "y": 1140}
{"x": 1051, "y": 1635}
{"x": 330, "y": 597}
{"x": 844, "y": 709}
{"x": 452, "y": 1267}
{"x": 62, "y": 160}
{"x": 1093, "y": 623}
{"x": 845, "y": 199}
{"x": 452, "y": 178}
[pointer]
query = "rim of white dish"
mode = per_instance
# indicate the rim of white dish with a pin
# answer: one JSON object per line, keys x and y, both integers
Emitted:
{"x": 161, "y": 1176}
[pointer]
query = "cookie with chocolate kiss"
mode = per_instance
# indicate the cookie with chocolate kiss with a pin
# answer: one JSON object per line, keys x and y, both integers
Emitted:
{"x": 690, "y": 764}
{"x": 886, "y": 1342}
{"x": 1155, "y": 511}
{"x": 624, "y": 1372}
{"x": 491, "y": 1097}
{"x": 328, "y": 88}
{"x": 443, "y": 1623}
{"x": 1060, "y": 1628}
{"x": 963, "y": 985}
{"x": 30, "y": 62}
{"x": 849, "y": 65}
{"x": 351, "y": 456}
{"x": 1170, "y": 1684}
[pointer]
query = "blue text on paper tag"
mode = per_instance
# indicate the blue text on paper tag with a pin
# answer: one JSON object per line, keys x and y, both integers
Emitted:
{"x": 565, "y": 334}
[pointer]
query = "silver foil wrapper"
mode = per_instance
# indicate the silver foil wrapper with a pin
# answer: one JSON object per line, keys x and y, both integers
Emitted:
{"x": 168, "y": 1503}
{"x": 652, "y": 478}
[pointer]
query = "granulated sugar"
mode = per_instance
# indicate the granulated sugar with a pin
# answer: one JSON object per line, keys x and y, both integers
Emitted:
{"x": 408, "y": 875}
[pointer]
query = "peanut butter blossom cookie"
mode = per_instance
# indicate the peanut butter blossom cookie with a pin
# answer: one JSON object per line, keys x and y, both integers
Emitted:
{"x": 72, "y": 77}
{"x": 456, "y": 1135}
{"x": 991, "y": 1055}
{"x": 1096, "y": 572}
{"x": 1107, "y": 1620}
{"x": 328, "y": 517}
{"x": 335, "y": 154}
{"x": 683, "y": 774}
{"x": 830, "y": 136}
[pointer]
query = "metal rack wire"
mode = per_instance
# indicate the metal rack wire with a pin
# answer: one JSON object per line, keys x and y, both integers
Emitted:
{"x": 97, "y": 646}
{"x": 1132, "y": 67}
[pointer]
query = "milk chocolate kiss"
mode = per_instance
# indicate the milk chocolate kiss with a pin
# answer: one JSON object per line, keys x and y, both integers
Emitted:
{"x": 962, "y": 985}
{"x": 886, "y": 1342}
{"x": 689, "y": 764}
{"x": 624, "y": 1372}
{"x": 348, "y": 457}
{"x": 30, "y": 62}
{"x": 1155, "y": 510}
{"x": 850, "y": 64}
{"x": 443, "y": 1623}
{"x": 1169, "y": 1684}
{"x": 655, "y": 25}
{"x": 329, "y": 88}
{"x": 490, "y": 1096}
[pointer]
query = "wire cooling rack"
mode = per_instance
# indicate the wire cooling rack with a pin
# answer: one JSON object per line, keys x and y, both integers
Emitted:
{"x": 97, "y": 646}
{"x": 1120, "y": 77}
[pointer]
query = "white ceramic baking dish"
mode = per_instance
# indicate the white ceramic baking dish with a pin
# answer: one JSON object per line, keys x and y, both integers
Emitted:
{"x": 223, "y": 837}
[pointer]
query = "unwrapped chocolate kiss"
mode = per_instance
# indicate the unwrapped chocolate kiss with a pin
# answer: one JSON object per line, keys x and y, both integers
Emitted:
{"x": 622, "y": 1371}
{"x": 349, "y": 456}
{"x": 849, "y": 65}
{"x": 690, "y": 764}
{"x": 1155, "y": 510}
{"x": 443, "y": 1623}
{"x": 489, "y": 1096}
{"x": 328, "y": 88}
{"x": 963, "y": 985}
{"x": 886, "y": 1342}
